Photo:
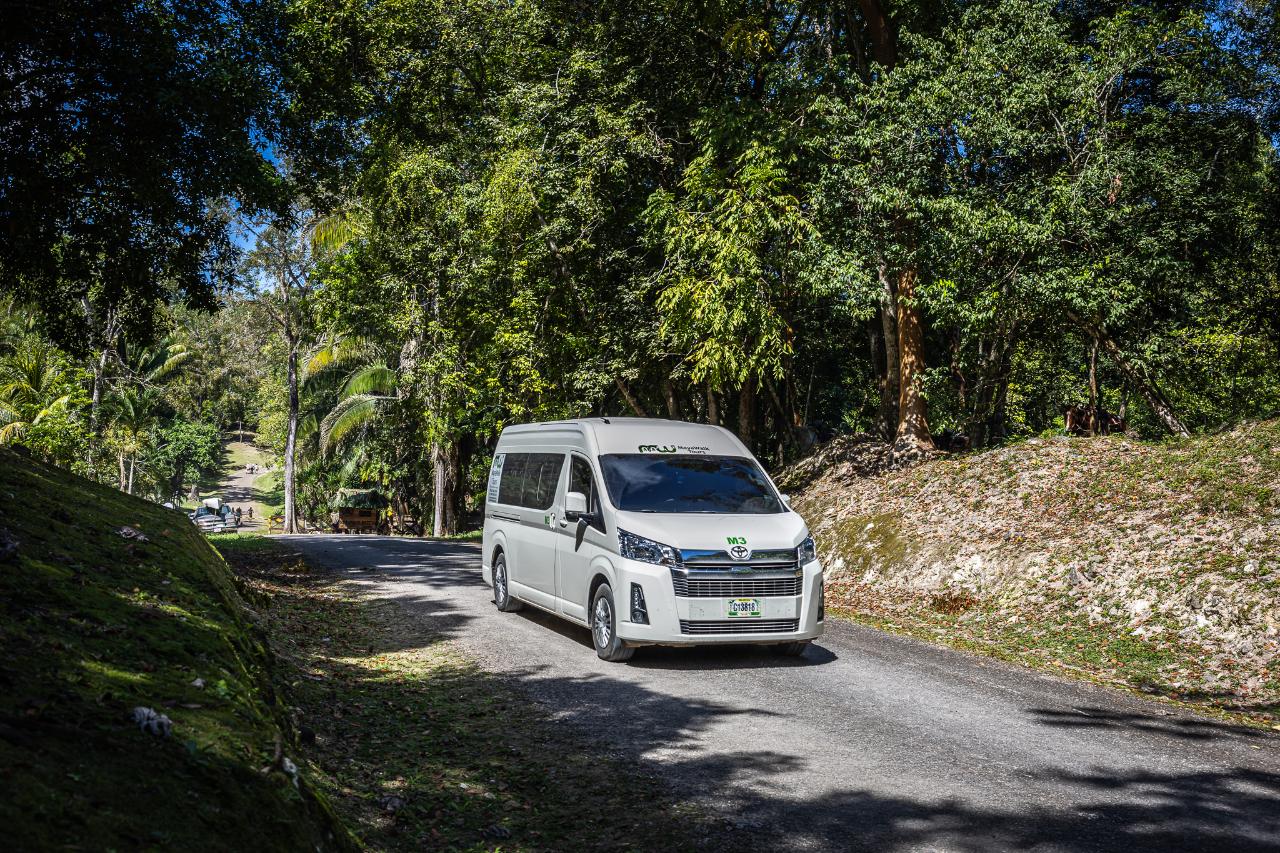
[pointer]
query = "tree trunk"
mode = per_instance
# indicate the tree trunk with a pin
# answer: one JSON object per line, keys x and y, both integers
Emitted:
{"x": 133, "y": 460}
{"x": 987, "y": 417}
{"x": 1137, "y": 376}
{"x": 747, "y": 411}
{"x": 291, "y": 440}
{"x": 669, "y": 395}
{"x": 713, "y": 407}
{"x": 446, "y": 476}
{"x": 1094, "y": 418}
{"x": 123, "y": 478}
{"x": 437, "y": 491}
{"x": 891, "y": 379}
{"x": 629, "y": 397}
{"x": 884, "y": 40}
{"x": 913, "y": 420}
{"x": 445, "y": 480}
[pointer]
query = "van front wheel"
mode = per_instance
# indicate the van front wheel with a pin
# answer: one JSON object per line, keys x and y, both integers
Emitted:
{"x": 501, "y": 589}
{"x": 604, "y": 627}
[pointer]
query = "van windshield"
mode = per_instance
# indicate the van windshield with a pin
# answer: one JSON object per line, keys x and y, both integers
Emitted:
{"x": 640, "y": 482}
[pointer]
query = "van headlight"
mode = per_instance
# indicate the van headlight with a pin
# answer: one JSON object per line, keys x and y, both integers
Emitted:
{"x": 635, "y": 547}
{"x": 807, "y": 552}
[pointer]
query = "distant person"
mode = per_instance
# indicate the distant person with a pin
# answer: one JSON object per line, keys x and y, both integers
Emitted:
{"x": 251, "y": 513}
{"x": 237, "y": 516}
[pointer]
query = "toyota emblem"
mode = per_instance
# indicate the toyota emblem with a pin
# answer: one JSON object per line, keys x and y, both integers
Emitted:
{"x": 739, "y": 552}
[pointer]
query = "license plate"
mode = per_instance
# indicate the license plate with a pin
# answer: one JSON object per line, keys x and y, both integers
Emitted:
{"x": 740, "y": 607}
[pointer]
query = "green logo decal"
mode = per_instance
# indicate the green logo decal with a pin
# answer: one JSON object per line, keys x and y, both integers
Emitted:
{"x": 736, "y": 540}
{"x": 654, "y": 448}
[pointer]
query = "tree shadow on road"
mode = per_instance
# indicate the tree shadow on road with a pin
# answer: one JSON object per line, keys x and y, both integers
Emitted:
{"x": 1169, "y": 723}
{"x": 423, "y": 750}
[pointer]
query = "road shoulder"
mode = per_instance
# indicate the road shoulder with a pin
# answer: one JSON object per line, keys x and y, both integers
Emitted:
{"x": 417, "y": 747}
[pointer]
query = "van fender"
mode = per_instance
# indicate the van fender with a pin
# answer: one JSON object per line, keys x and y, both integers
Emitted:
{"x": 499, "y": 543}
{"x": 602, "y": 570}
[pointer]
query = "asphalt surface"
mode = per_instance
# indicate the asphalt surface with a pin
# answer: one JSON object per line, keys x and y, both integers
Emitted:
{"x": 869, "y": 741}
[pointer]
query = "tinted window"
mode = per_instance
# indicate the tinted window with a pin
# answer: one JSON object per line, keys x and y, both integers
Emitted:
{"x": 541, "y": 478}
{"x": 512, "y": 479}
{"x": 530, "y": 479}
{"x": 726, "y": 484}
{"x": 581, "y": 480}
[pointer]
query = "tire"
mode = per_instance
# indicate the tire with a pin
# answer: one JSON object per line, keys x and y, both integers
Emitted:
{"x": 604, "y": 627}
{"x": 501, "y": 589}
{"x": 791, "y": 650}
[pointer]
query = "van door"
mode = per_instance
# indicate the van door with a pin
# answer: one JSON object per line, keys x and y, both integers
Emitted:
{"x": 573, "y": 568}
{"x": 535, "y": 559}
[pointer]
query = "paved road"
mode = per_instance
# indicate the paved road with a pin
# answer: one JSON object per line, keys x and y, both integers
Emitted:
{"x": 868, "y": 742}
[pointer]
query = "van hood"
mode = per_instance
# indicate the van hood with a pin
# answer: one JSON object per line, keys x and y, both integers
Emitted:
{"x": 697, "y": 530}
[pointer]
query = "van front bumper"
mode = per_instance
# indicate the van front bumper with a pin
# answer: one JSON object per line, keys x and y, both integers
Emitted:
{"x": 680, "y": 620}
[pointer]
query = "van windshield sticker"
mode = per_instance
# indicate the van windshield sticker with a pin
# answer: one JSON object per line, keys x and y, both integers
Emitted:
{"x": 673, "y": 448}
{"x": 495, "y": 477}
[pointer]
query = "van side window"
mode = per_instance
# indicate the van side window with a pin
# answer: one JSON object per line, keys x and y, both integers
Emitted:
{"x": 530, "y": 479}
{"x": 512, "y": 479}
{"x": 581, "y": 480}
{"x": 541, "y": 478}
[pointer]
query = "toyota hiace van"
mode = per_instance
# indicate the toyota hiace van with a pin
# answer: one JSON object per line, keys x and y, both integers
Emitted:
{"x": 648, "y": 532}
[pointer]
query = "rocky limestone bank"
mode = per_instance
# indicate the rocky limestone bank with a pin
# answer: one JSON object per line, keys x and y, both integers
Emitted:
{"x": 1155, "y": 565}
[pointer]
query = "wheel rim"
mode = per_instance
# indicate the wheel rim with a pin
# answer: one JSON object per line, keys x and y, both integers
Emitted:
{"x": 603, "y": 627}
{"x": 500, "y": 582}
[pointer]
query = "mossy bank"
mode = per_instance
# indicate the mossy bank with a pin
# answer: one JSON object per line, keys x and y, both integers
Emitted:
{"x": 111, "y": 604}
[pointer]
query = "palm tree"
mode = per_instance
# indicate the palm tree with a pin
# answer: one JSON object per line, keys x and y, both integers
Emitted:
{"x": 363, "y": 396}
{"x": 32, "y": 379}
{"x": 131, "y": 414}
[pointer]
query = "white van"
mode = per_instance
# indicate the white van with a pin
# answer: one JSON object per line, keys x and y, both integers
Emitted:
{"x": 648, "y": 532}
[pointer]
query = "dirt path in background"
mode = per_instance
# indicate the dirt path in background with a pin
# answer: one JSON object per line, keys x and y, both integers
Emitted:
{"x": 237, "y": 488}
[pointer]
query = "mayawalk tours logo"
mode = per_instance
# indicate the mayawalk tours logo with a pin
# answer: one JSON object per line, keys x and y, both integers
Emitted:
{"x": 657, "y": 448}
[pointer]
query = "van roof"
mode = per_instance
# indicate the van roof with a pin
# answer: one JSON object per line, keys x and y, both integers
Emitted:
{"x": 637, "y": 435}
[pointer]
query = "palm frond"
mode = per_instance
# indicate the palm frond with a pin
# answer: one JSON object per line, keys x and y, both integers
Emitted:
{"x": 350, "y": 414}
{"x": 338, "y": 350}
{"x": 176, "y": 355}
{"x": 12, "y": 431}
{"x": 375, "y": 379}
{"x": 330, "y": 233}
{"x": 57, "y": 405}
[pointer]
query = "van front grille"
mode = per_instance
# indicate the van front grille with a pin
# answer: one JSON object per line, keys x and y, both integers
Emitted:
{"x": 695, "y": 587}
{"x": 740, "y": 626}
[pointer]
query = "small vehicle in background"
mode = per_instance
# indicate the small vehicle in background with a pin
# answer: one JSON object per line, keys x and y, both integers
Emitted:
{"x": 213, "y": 516}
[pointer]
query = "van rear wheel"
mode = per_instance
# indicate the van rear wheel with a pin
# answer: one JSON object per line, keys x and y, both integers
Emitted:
{"x": 501, "y": 586}
{"x": 604, "y": 627}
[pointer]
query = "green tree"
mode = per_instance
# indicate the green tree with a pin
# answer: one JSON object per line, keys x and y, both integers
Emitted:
{"x": 127, "y": 125}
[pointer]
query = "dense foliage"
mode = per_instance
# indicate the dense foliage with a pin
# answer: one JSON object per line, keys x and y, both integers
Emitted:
{"x": 791, "y": 219}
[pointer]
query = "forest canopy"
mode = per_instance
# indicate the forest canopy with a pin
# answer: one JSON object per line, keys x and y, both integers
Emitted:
{"x": 938, "y": 223}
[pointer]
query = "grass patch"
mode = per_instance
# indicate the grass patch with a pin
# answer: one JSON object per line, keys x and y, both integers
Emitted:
{"x": 417, "y": 748}
{"x": 270, "y": 489}
{"x": 464, "y": 536}
{"x": 95, "y": 624}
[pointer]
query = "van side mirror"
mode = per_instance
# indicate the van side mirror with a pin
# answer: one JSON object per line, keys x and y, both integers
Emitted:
{"x": 575, "y": 505}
